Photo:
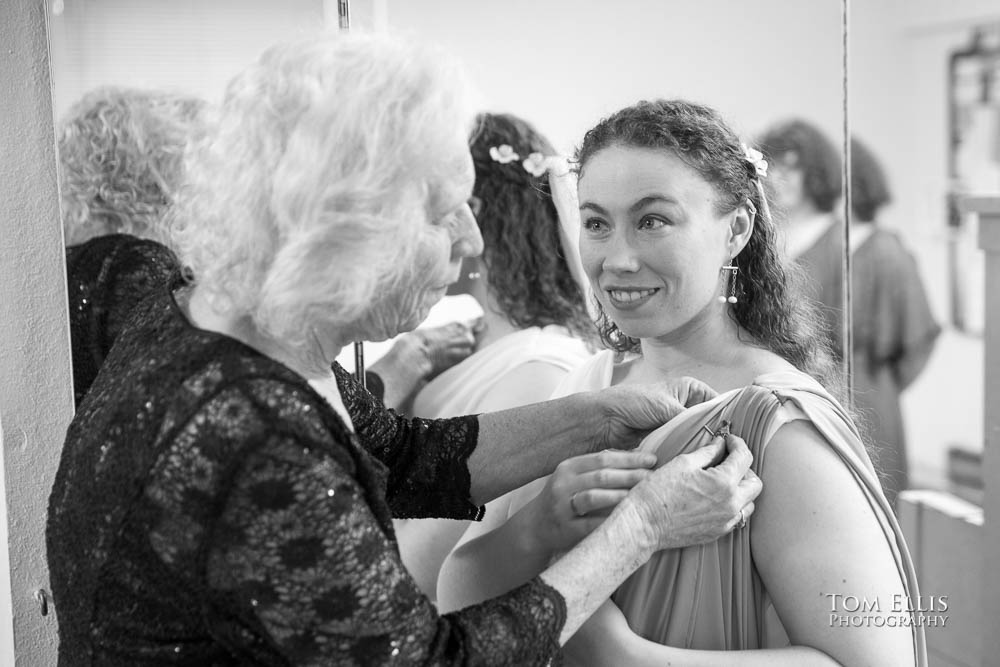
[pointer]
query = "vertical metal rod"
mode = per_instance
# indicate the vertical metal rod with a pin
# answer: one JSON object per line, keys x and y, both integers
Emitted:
{"x": 359, "y": 363}
{"x": 344, "y": 22}
{"x": 848, "y": 321}
{"x": 344, "y": 14}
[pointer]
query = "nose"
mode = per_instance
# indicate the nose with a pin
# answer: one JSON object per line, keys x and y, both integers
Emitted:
{"x": 620, "y": 255}
{"x": 468, "y": 241}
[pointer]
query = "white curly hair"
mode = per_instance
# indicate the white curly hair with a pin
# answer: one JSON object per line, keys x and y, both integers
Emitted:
{"x": 306, "y": 197}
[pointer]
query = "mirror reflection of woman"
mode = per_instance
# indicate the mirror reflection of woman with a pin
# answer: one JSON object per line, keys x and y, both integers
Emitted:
{"x": 120, "y": 165}
{"x": 893, "y": 326}
{"x": 669, "y": 201}
{"x": 529, "y": 284}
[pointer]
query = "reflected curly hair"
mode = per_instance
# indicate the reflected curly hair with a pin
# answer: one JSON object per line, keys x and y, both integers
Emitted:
{"x": 121, "y": 160}
{"x": 531, "y": 283}
{"x": 813, "y": 153}
{"x": 770, "y": 307}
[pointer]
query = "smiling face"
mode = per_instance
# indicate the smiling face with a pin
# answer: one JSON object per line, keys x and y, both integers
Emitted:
{"x": 652, "y": 242}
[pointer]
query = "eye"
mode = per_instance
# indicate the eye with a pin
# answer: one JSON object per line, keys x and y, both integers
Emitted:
{"x": 475, "y": 205}
{"x": 594, "y": 224}
{"x": 451, "y": 216}
{"x": 652, "y": 222}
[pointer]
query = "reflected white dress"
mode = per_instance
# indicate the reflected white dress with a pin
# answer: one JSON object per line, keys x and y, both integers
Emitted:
{"x": 465, "y": 389}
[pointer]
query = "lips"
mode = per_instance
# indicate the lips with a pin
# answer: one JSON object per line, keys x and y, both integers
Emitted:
{"x": 630, "y": 297}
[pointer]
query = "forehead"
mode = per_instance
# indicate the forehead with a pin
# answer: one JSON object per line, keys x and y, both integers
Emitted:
{"x": 451, "y": 182}
{"x": 628, "y": 172}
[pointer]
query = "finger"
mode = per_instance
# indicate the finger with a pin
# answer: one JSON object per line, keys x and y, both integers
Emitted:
{"x": 707, "y": 456}
{"x": 596, "y": 500}
{"x": 614, "y": 478}
{"x": 612, "y": 458}
{"x": 694, "y": 391}
{"x": 749, "y": 487}
{"x": 739, "y": 459}
{"x": 743, "y": 516}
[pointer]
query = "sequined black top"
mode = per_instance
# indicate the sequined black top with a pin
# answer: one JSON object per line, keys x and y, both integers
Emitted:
{"x": 108, "y": 275}
{"x": 210, "y": 508}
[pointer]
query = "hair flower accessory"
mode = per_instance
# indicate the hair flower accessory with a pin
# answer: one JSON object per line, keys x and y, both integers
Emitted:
{"x": 756, "y": 158}
{"x": 536, "y": 164}
{"x": 503, "y": 154}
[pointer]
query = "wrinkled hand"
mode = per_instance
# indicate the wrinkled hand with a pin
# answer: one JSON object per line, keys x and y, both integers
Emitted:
{"x": 691, "y": 501}
{"x": 581, "y": 493}
{"x": 445, "y": 346}
{"x": 632, "y": 411}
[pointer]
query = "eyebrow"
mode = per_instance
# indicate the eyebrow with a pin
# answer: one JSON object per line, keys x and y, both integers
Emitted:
{"x": 642, "y": 203}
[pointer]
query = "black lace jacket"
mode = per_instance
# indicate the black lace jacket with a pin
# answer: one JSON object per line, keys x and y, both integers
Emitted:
{"x": 211, "y": 509}
{"x": 108, "y": 276}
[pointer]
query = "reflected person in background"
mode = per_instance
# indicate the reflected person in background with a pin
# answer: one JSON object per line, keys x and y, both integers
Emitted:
{"x": 529, "y": 283}
{"x": 120, "y": 166}
{"x": 671, "y": 203}
{"x": 894, "y": 330}
{"x": 225, "y": 492}
{"x": 806, "y": 170}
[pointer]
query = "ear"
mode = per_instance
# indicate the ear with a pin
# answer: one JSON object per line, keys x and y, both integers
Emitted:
{"x": 741, "y": 228}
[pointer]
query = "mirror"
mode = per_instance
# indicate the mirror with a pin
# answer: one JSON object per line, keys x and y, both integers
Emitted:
{"x": 937, "y": 136}
{"x": 561, "y": 64}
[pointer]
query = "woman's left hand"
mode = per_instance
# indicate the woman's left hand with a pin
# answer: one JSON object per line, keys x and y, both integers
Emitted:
{"x": 632, "y": 411}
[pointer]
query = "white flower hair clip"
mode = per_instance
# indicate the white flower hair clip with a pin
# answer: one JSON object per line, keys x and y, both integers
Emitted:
{"x": 535, "y": 164}
{"x": 756, "y": 158}
{"x": 503, "y": 154}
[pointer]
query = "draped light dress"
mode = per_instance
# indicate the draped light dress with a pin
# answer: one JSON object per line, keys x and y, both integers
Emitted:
{"x": 711, "y": 596}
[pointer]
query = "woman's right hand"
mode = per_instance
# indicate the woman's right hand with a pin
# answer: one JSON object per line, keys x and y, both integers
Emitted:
{"x": 690, "y": 501}
{"x": 580, "y": 494}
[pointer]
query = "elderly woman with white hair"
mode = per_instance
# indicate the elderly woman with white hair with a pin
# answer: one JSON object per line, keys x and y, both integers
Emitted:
{"x": 224, "y": 497}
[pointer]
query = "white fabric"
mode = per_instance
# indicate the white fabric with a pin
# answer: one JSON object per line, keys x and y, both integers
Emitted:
{"x": 562, "y": 183}
{"x": 463, "y": 388}
{"x": 860, "y": 234}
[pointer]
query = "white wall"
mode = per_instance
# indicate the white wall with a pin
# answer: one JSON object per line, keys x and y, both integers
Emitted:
{"x": 562, "y": 64}
{"x": 192, "y": 46}
{"x": 36, "y": 397}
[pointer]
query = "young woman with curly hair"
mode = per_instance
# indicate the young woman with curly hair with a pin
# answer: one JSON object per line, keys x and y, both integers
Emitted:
{"x": 679, "y": 247}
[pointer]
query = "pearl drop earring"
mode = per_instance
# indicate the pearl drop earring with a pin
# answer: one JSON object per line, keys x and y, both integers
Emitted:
{"x": 731, "y": 270}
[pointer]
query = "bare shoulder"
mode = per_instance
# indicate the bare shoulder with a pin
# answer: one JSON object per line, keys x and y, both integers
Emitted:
{"x": 807, "y": 485}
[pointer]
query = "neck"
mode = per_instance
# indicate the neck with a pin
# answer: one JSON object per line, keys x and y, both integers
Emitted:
{"x": 708, "y": 348}
{"x": 200, "y": 313}
{"x": 495, "y": 324}
{"x": 804, "y": 210}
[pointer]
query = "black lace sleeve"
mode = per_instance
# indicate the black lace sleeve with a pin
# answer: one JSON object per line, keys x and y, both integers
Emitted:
{"x": 427, "y": 458}
{"x": 301, "y": 558}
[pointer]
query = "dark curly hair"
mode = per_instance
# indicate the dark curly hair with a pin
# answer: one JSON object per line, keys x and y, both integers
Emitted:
{"x": 869, "y": 186}
{"x": 527, "y": 271}
{"x": 810, "y": 150}
{"x": 769, "y": 308}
